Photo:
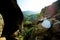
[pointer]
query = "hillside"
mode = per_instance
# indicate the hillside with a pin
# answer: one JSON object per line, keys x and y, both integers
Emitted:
{"x": 25, "y": 13}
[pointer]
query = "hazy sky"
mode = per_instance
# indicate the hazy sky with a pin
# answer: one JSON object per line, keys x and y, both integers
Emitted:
{"x": 34, "y": 5}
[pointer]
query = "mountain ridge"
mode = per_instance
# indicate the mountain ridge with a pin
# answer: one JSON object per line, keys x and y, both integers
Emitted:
{"x": 26, "y": 13}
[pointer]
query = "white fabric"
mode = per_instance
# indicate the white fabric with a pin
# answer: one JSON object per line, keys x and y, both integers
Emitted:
{"x": 46, "y": 23}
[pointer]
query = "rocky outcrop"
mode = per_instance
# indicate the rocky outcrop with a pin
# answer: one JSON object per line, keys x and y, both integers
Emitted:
{"x": 12, "y": 16}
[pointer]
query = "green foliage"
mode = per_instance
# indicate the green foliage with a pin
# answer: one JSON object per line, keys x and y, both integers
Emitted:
{"x": 37, "y": 15}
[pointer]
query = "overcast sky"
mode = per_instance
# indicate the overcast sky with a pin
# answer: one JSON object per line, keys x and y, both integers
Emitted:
{"x": 34, "y": 5}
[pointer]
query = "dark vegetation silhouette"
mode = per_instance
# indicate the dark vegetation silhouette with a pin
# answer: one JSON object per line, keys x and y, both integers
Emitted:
{"x": 12, "y": 16}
